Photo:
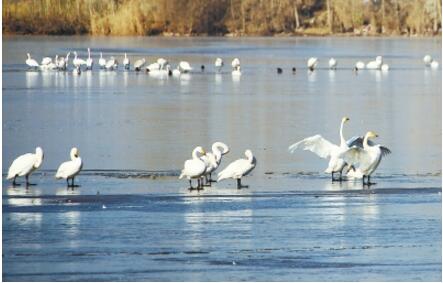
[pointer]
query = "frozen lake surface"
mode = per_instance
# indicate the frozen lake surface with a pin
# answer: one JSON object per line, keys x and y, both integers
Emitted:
{"x": 131, "y": 219}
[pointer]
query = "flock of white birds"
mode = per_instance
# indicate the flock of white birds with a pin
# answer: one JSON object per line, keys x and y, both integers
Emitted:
{"x": 163, "y": 68}
{"x": 359, "y": 157}
{"x": 160, "y": 67}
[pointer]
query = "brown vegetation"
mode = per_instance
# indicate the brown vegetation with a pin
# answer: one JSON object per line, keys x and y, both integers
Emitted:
{"x": 221, "y": 17}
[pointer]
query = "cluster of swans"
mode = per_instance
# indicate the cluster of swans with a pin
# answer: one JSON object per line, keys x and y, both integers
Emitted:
{"x": 27, "y": 163}
{"x": 203, "y": 164}
{"x": 377, "y": 64}
{"x": 160, "y": 67}
{"x": 359, "y": 155}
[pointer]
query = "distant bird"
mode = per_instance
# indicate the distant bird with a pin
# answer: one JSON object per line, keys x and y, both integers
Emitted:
{"x": 31, "y": 62}
{"x": 70, "y": 169}
{"x": 139, "y": 64}
{"x": 202, "y": 68}
{"x": 89, "y": 61}
{"x": 46, "y": 60}
{"x": 360, "y": 65}
{"x": 365, "y": 159}
{"x": 77, "y": 61}
{"x": 102, "y": 61}
{"x": 294, "y": 70}
{"x": 239, "y": 168}
{"x": 185, "y": 67}
{"x": 218, "y": 64}
{"x": 62, "y": 62}
{"x": 77, "y": 70}
{"x": 434, "y": 64}
{"x": 111, "y": 64}
{"x": 327, "y": 150}
{"x": 375, "y": 65}
{"x": 385, "y": 67}
{"x": 176, "y": 72}
{"x": 236, "y": 71}
{"x": 24, "y": 165}
{"x": 126, "y": 62}
{"x": 279, "y": 70}
{"x": 153, "y": 67}
{"x": 427, "y": 60}
{"x": 194, "y": 168}
{"x": 312, "y": 63}
{"x": 332, "y": 64}
{"x": 235, "y": 63}
{"x": 355, "y": 69}
{"x": 162, "y": 62}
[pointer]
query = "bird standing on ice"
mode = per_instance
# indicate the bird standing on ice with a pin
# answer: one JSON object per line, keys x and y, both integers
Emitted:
{"x": 194, "y": 168}
{"x": 126, "y": 62}
{"x": 24, "y": 165}
{"x": 218, "y": 64}
{"x": 332, "y": 64}
{"x": 238, "y": 169}
{"x": 70, "y": 169}
{"x": 31, "y": 62}
{"x": 312, "y": 63}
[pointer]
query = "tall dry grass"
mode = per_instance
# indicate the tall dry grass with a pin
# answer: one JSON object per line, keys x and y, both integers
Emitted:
{"x": 189, "y": 17}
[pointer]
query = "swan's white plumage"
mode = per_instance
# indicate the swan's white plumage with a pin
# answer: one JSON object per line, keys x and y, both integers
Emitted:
{"x": 376, "y": 64}
{"x": 101, "y": 61}
{"x": 195, "y": 167}
{"x": 239, "y": 168}
{"x": 427, "y": 60}
{"x": 325, "y": 149}
{"x": 218, "y": 64}
{"x": 434, "y": 64}
{"x": 31, "y": 62}
{"x": 213, "y": 159}
{"x": 139, "y": 64}
{"x": 360, "y": 65}
{"x": 332, "y": 63}
{"x": 312, "y": 62}
{"x": 365, "y": 159}
{"x": 77, "y": 61}
{"x": 46, "y": 60}
{"x": 25, "y": 164}
{"x": 70, "y": 169}
{"x": 111, "y": 64}
{"x": 235, "y": 63}
{"x": 89, "y": 61}
{"x": 185, "y": 67}
{"x": 385, "y": 67}
{"x": 126, "y": 62}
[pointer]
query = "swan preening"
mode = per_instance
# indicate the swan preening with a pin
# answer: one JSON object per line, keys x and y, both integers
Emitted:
{"x": 139, "y": 64}
{"x": 312, "y": 63}
{"x": 24, "y": 165}
{"x": 70, "y": 169}
{"x": 194, "y": 168}
{"x": 213, "y": 159}
{"x": 358, "y": 154}
{"x": 238, "y": 169}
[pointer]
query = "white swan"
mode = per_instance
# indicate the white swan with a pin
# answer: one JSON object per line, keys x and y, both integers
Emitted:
{"x": 25, "y": 164}
{"x": 78, "y": 62}
{"x": 152, "y": 67}
{"x": 366, "y": 158}
{"x": 162, "y": 62}
{"x": 235, "y": 63}
{"x": 218, "y": 64}
{"x": 139, "y": 64}
{"x": 325, "y": 149}
{"x": 213, "y": 159}
{"x": 427, "y": 60}
{"x": 89, "y": 61}
{"x": 126, "y": 62}
{"x": 185, "y": 67}
{"x": 434, "y": 64}
{"x": 332, "y": 64}
{"x": 312, "y": 63}
{"x": 46, "y": 61}
{"x": 239, "y": 168}
{"x": 51, "y": 65}
{"x": 237, "y": 71}
{"x": 102, "y": 61}
{"x": 31, "y": 62}
{"x": 385, "y": 67}
{"x": 375, "y": 65}
{"x": 62, "y": 63}
{"x": 111, "y": 64}
{"x": 176, "y": 72}
{"x": 360, "y": 65}
{"x": 152, "y": 70}
{"x": 70, "y": 169}
{"x": 194, "y": 168}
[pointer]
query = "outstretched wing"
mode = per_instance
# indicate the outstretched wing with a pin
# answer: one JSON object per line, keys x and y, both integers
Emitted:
{"x": 316, "y": 144}
{"x": 384, "y": 151}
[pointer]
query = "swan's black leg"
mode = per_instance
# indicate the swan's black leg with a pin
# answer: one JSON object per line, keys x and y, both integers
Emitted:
{"x": 67, "y": 182}
{"x": 13, "y": 182}
{"x": 369, "y": 181}
{"x": 190, "y": 185}
{"x": 238, "y": 183}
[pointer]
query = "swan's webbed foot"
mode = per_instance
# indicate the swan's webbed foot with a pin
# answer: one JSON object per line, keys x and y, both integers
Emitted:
{"x": 240, "y": 186}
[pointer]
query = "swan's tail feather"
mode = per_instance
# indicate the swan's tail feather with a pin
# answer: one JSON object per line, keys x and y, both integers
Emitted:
{"x": 181, "y": 175}
{"x": 10, "y": 176}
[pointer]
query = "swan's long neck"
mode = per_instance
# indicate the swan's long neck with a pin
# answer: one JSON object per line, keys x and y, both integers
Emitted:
{"x": 73, "y": 157}
{"x": 342, "y": 139}
{"x": 39, "y": 154}
{"x": 195, "y": 154}
{"x": 365, "y": 141}
{"x": 89, "y": 53}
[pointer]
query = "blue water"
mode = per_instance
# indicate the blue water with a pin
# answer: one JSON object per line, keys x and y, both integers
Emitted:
{"x": 131, "y": 218}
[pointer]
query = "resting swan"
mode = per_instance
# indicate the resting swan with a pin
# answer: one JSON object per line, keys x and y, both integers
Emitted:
{"x": 70, "y": 169}
{"x": 24, "y": 165}
{"x": 238, "y": 169}
{"x": 218, "y": 64}
{"x": 194, "y": 168}
{"x": 325, "y": 149}
{"x": 365, "y": 158}
{"x": 213, "y": 159}
{"x": 312, "y": 63}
